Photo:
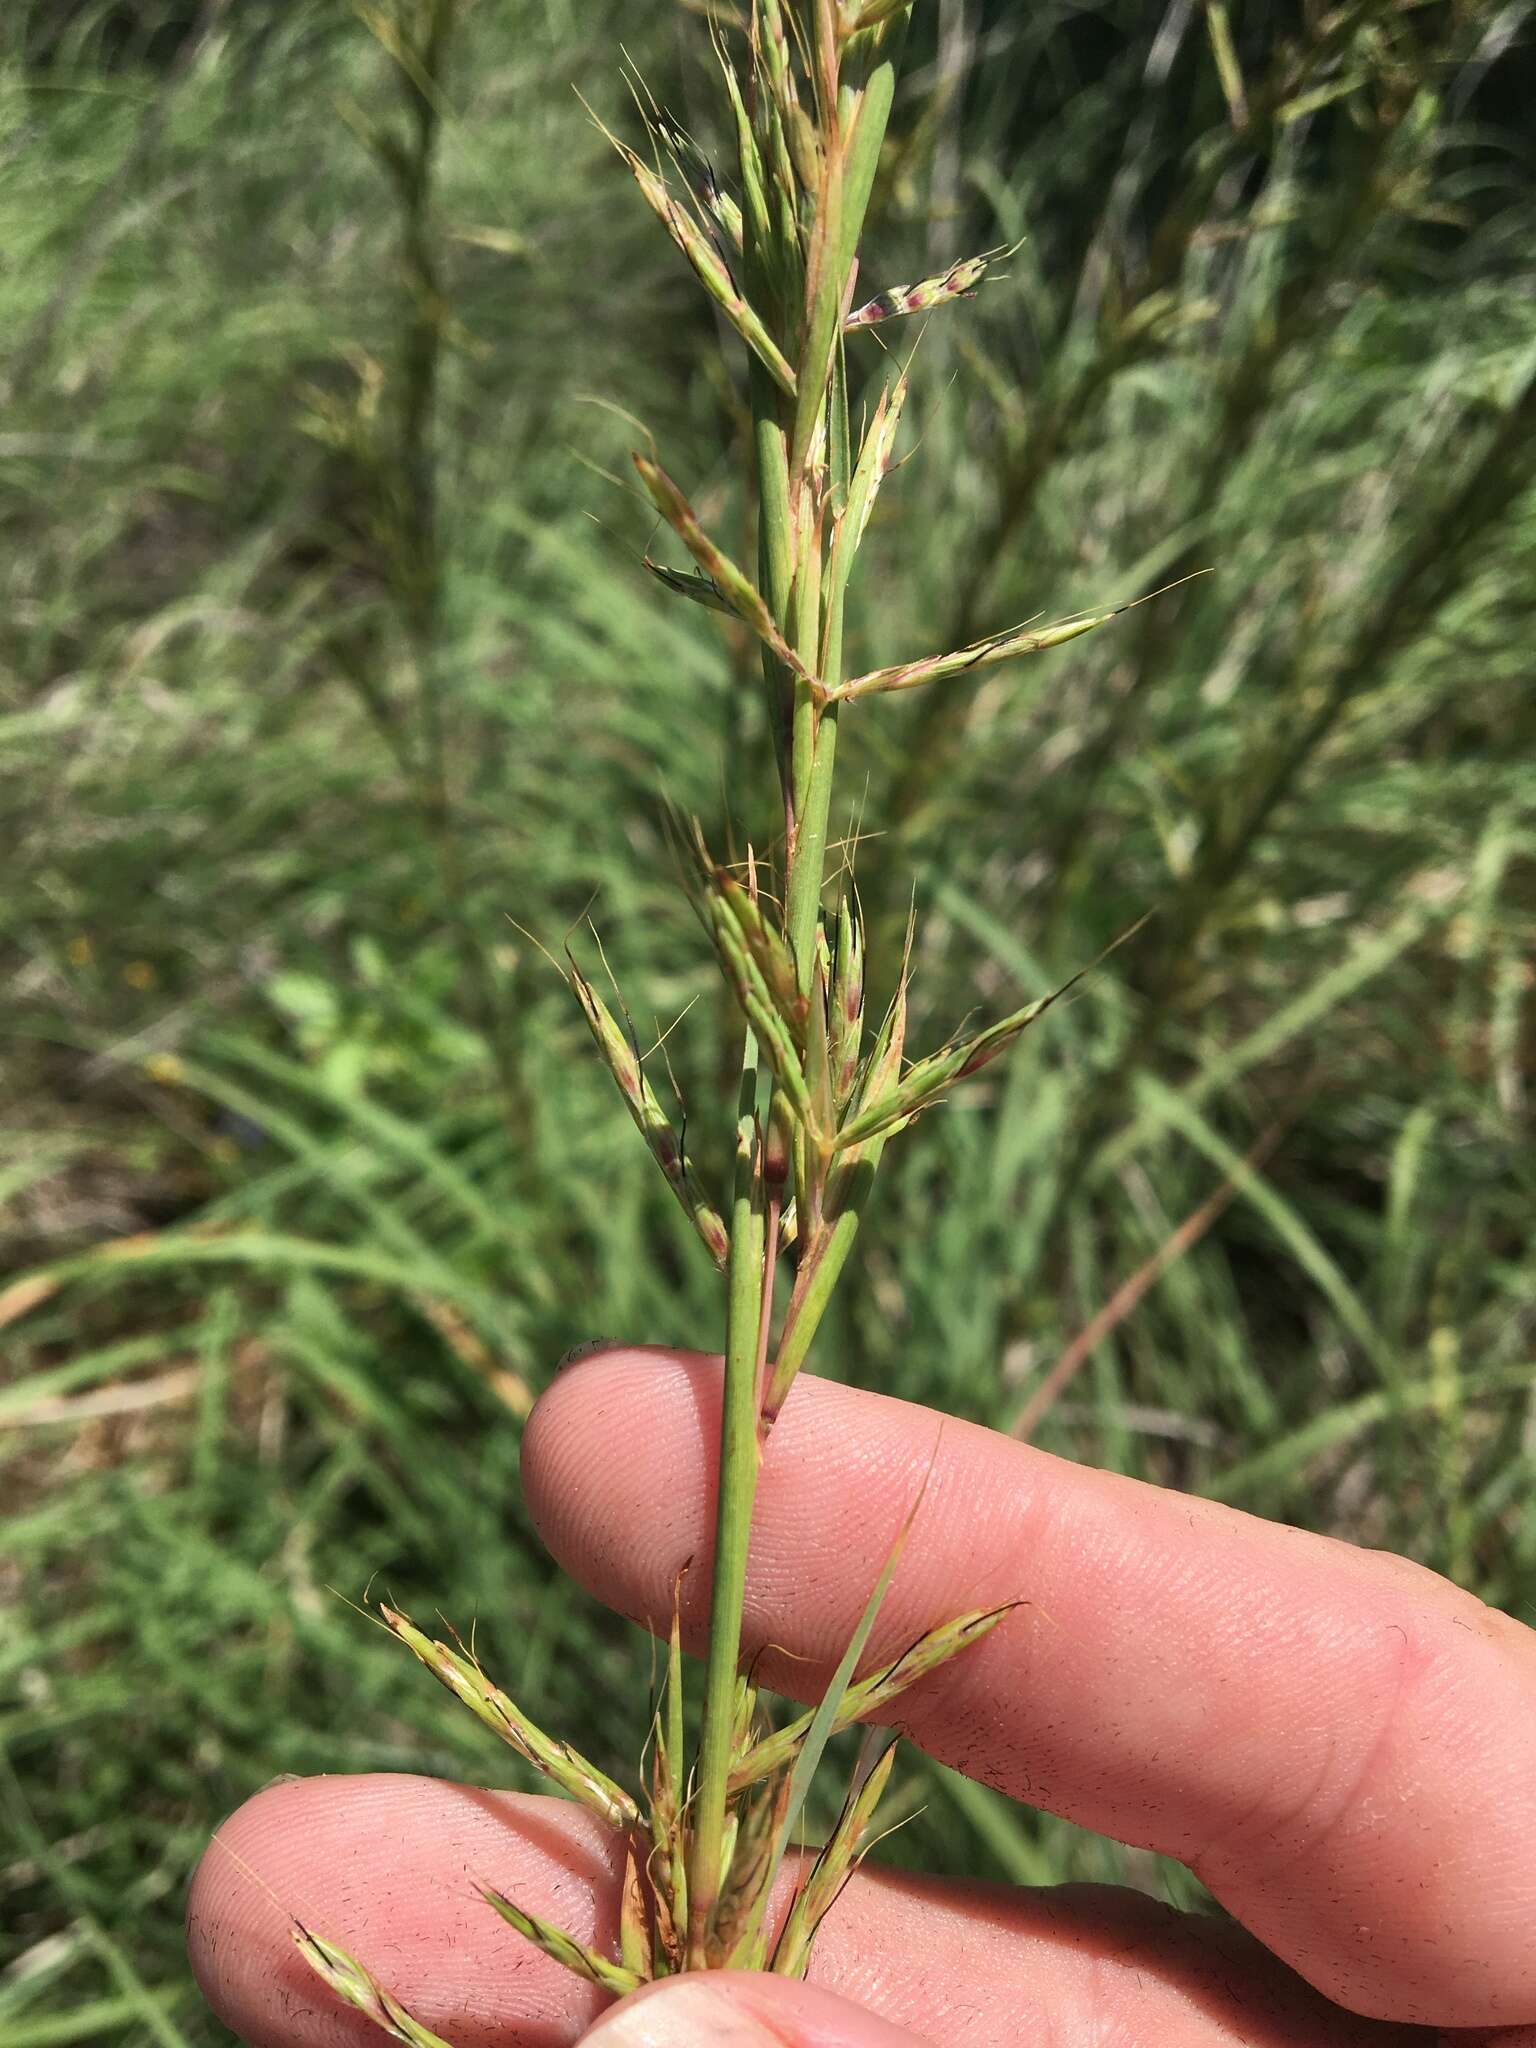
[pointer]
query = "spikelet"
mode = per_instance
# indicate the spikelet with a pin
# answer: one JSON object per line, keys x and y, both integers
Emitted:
{"x": 710, "y": 197}
{"x": 708, "y": 265}
{"x": 876, "y": 454}
{"x": 958, "y": 282}
{"x": 651, "y": 1120}
{"x": 839, "y": 1858}
{"x": 845, "y": 1008}
{"x": 735, "y": 587}
{"x": 634, "y": 1921}
{"x": 928, "y": 1080}
{"x": 818, "y": 1052}
{"x": 868, "y": 1697}
{"x": 822, "y": 1261}
{"x": 558, "y": 1761}
{"x": 1009, "y": 646}
{"x": 667, "y": 1866}
{"x": 565, "y": 1948}
{"x": 739, "y": 1936}
{"x": 350, "y": 1981}
{"x": 760, "y": 971}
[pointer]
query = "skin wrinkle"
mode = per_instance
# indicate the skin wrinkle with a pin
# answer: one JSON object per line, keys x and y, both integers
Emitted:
{"x": 1145, "y": 1602}
{"x": 949, "y": 1696}
{"x": 749, "y": 2010}
{"x": 968, "y": 1965}
{"x": 964, "y": 1964}
{"x": 1274, "y": 1838}
{"x": 1408, "y": 1719}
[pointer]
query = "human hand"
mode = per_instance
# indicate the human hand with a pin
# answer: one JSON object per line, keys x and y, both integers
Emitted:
{"x": 1339, "y": 1743}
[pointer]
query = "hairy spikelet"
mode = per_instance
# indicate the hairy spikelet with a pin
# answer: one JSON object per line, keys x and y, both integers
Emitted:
{"x": 958, "y": 282}
{"x": 356, "y": 1987}
{"x": 1009, "y": 646}
{"x": 622, "y": 1059}
{"x": 565, "y": 1948}
{"x": 840, "y": 1856}
{"x": 867, "y": 1698}
{"x": 735, "y": 587}
{"x": 708, "y": 264}
{"x": 559, "y": 1762}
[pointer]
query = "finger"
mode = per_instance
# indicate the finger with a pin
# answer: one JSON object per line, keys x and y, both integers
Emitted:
{"x": 1340, "y": 1743}
{"x": 737, "y": 2009}
{"x": 384, "y": 1866}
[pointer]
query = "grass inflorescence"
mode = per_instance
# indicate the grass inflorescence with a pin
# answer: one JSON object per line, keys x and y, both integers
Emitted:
{"x": 286, "y": 1258}
{"x": 808, "y": 91}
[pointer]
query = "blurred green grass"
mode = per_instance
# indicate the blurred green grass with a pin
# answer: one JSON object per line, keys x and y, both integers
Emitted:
{"x": 298, "y": 1211}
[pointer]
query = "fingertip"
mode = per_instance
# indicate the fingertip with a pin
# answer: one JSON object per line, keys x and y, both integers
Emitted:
{"x": 740, "y": 2009}
{"x": 621, "y": 1428}
{"x": 385, "y": 1866}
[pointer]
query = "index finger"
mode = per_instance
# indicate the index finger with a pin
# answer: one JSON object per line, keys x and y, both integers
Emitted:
{"x": 1340, "y": 1744}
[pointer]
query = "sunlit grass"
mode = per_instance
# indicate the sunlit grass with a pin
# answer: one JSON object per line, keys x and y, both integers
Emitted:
{"x": 237, "y": 1019}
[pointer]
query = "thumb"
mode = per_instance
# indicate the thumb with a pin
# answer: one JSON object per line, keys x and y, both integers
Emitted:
{"x": 740, "y": 2009}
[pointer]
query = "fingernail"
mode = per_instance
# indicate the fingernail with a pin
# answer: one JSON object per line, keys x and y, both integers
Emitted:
{"x": 687, "y": 2014}
{"x": 737, "y": 2009}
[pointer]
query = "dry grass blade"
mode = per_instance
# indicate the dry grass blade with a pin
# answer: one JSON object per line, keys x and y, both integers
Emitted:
{"x": 1128, "y": 1295}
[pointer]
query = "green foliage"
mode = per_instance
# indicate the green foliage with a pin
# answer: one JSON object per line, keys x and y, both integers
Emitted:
{"x": 336, "y": 1116}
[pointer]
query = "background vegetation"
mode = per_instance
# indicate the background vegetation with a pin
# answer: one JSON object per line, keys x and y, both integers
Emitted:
{"x": 328, "y": 670}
